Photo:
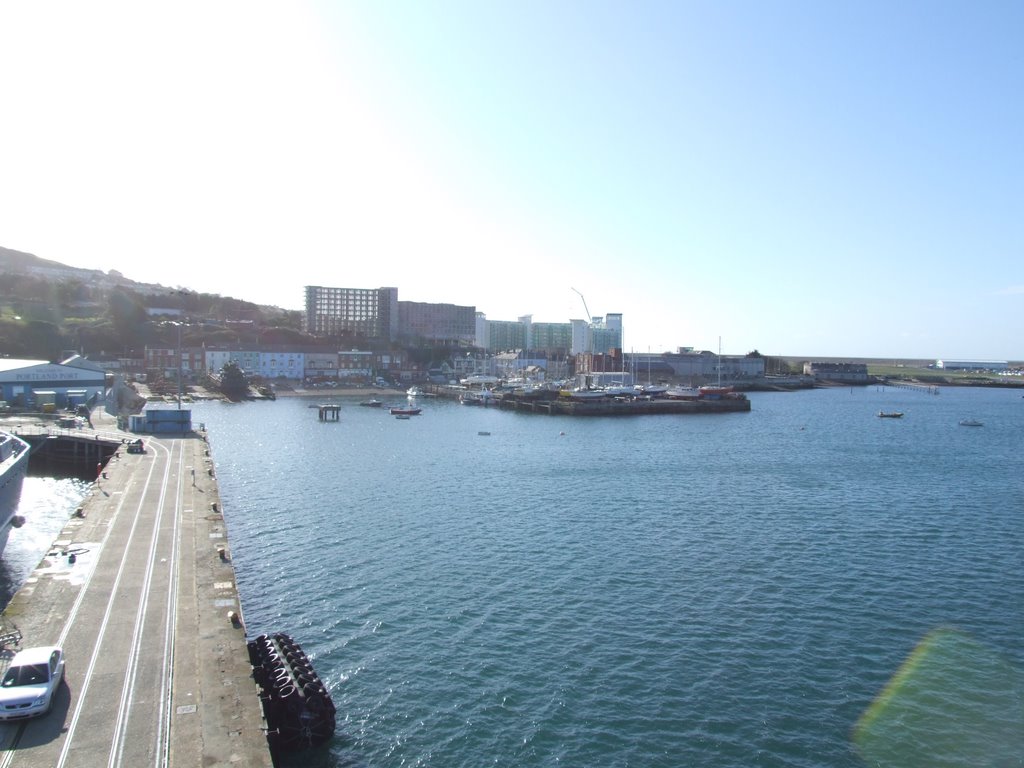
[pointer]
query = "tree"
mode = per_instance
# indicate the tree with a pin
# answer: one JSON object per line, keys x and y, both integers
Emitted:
{"x": 233, "y": 383}
{"x": 128, "y": 316}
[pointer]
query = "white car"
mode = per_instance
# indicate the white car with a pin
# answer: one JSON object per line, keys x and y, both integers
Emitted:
{"x": 30, "y": 682}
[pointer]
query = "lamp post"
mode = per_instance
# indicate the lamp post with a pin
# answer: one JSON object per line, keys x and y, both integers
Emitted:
{"x": 179, "y": 365}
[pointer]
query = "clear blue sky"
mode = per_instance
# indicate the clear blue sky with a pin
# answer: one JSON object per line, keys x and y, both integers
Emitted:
{"x": 797, "y": 177}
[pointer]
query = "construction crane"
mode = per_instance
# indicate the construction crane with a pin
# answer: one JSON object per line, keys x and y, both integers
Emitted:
{"x": 586, "y": 309}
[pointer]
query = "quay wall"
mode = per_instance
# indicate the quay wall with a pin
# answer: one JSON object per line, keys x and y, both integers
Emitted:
{"x": 157, "y": 513}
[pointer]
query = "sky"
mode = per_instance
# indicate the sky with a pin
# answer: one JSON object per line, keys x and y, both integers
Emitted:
{"x": 801, "y": 178}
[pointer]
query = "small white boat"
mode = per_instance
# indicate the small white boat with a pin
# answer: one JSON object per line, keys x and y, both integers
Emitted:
{"x": 414, "y": 391}
{"x": 583, "y": 394}
{"x": 970, "y": 423}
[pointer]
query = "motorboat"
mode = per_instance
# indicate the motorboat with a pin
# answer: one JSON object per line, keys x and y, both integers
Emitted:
{"x": 399, "y": 411}
{"x": 372, "y": 403}
{"x": 583, "y": 394}
{"x": 890, "y": 414}
{"x": 715, "y": 392}
{"x": 682, "y": 393}
{"x": 970, "y": 423}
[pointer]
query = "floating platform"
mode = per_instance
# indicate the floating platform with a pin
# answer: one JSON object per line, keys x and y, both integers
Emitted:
{"x": 296, "y": 705}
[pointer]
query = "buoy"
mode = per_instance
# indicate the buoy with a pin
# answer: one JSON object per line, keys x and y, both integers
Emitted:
{"x": 17, "y": 521}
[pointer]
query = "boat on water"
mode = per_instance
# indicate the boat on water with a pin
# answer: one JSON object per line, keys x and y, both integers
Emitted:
{"x": 13, "y": 466}
{"x": 890, "y": 414}
{"x": 398, "y": 411}
{"x": 372, "y": 403}
{"x": 970, "y": 423}
{"x": 414, "y": 391}
{"x": 471, "y": 398}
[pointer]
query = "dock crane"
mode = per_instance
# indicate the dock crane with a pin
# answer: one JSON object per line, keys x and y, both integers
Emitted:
{"x": 586, "y": 309}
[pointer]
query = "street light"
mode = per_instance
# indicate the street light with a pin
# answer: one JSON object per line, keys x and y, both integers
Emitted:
{"x": 179, "y": 365}
{"x": 179, "y": 292}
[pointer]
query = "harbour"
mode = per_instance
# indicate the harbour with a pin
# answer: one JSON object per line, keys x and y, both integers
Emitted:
{"x": 495, "y": 585}
{"x": 487, "y": 585}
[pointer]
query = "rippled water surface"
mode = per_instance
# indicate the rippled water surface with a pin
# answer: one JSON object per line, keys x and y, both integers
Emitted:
{"x": 46, "y": 504}
{"x": 653, "y": 591}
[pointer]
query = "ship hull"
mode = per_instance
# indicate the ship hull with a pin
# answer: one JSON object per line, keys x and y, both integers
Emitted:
{"x": 13, "y": 467}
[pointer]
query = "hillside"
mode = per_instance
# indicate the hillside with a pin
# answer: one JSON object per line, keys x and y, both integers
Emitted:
{"x": 48, "y": 308}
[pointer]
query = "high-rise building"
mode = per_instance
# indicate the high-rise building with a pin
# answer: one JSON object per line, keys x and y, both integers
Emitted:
{"x": 369, "y": 313}
{"x": 442, "y": 323}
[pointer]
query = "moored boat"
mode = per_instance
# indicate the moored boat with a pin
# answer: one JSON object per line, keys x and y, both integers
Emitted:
{"x": 583, "y": 394}
{"x": 970, "y": 423}
{"x": 715, "y": 392}
{"x": 682, "y": 393}
{"x": 397, "y": 411}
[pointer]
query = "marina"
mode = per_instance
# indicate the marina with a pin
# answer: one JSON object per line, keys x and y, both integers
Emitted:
{"x": 557, "y": 402}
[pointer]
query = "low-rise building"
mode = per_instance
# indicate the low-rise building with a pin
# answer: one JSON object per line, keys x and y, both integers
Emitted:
{"x": 972, "y": 365}
{"x": 851, "y": 373}
{"x": 76, "y": 380}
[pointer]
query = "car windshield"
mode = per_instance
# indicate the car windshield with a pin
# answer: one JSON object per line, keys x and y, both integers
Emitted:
{"x": 28, "y": 674}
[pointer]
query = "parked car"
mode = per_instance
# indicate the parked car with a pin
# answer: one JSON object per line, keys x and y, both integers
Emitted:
{"x": 30, "y": 682}
{"x": 136, "y": 446}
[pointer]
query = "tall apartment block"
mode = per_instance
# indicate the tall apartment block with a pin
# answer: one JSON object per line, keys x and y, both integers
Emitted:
{"x": 371, "y": 313}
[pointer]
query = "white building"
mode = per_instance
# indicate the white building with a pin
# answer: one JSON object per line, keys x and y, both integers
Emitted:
{"x": 972, "y": 365}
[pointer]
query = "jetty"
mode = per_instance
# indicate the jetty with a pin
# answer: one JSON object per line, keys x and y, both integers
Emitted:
{"x": 329, "y": 412}
{"x": 139, "y": 590}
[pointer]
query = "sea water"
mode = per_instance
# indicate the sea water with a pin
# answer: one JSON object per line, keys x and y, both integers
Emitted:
{"x": 46, "y": 504}
{"x": 477, "y": 586}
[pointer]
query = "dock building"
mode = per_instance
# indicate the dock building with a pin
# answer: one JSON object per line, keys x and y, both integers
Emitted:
{"x": 36, "y": 383}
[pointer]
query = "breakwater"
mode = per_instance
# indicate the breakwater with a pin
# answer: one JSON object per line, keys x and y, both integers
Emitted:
{"x": 551, "y": 403}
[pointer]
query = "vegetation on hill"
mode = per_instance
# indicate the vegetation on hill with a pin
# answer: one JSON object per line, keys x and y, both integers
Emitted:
{"x": 47, "y": 309}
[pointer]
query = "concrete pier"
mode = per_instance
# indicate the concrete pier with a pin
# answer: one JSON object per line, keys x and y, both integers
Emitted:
{"x": 140, "y": 591}
{"x": 552, "y": 404}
